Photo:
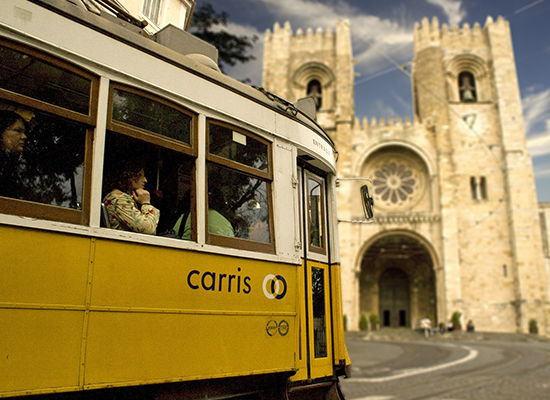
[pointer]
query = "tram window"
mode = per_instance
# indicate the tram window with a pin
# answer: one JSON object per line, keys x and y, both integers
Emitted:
{"x": 241, "y": 201}
{"x": 169, "y": 177}
{"x": 159, "y": 135}
{"x": 50, "y": 163}
{"x": 151, "y": 115}
{"x": 236, "y": 146}
{"x": 49, "y": 168}
{"x": 239, "y": 189}
{"x": 29, "y": 76}
{"x": 316, "y": 212}
{"x": 319, "y": 312}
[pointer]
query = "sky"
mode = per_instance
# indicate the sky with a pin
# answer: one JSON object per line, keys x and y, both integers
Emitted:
{"x": 383, "y": 90}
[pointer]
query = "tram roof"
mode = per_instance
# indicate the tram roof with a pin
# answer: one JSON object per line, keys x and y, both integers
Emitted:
{"x": 119, "y": 24}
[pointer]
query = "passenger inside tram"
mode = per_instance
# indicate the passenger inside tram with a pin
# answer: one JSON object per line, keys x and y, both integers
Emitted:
{"x": 217, "y": 223}
{"x": 168, "y": 175}
{"x": 128, "y": 204}
{"x": 13, "y": 128}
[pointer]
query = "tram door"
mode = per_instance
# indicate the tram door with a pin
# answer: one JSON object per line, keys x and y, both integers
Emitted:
{"x": 316, "y": 274}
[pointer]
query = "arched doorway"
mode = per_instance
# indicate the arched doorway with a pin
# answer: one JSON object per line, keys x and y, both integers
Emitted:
{"x": 394, "y": 298}
{"x": 397, "y": 281}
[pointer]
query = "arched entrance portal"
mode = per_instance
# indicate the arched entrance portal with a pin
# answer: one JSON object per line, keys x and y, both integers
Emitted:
{"x": 397, "y": 281}
{"x": 394, "y": 298}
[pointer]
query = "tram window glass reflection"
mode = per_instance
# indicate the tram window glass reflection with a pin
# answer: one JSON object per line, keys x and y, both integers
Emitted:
{"x": 151, "y": 115}
{"x": 319, "y": 312}
{"x": 169, "y": 177}
{"x": 30, "y": 76}
{"x": 239, "y": 204}
{"x": 239, "y": 189}
{"x": 49, "y": 168}
{"x": 236, "y": 146}
{"x": 50, "y": 163}
{"x": 315, "y": 195}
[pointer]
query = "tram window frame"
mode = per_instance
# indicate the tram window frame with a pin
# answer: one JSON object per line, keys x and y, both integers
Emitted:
{"x": 252, "y": 172}
{"x": 89, "y": 121}
{"x": 323, "y": 183}
{"x": 158, "y": 140}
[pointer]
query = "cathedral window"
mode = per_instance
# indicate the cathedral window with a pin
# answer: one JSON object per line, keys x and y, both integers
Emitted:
{"x": 394, "y": 182}
{"x": 314, "y": 90}
{"x": 483, "y": 188}
{"x": 473, "y": 187}
{"x": 467, "y": 87}
{"x": 478, "y": 187}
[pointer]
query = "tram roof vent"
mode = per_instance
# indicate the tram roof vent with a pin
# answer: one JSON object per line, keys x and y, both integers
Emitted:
{"x": 307, "y": 106}
{"x": 185, "y": 43}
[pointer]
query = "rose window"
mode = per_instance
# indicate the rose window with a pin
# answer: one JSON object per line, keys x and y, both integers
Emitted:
{"x": 395, "y": 183}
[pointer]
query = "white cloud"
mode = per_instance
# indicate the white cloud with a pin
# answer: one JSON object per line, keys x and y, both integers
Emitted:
{"x": 536, "y": 105}
{"x": 539, "y": 145}
{"x": 382, "y": 108}
{"x": 371, "y": 35}
{"x": 451, "y": 8}
{"x": 536, "y": 114}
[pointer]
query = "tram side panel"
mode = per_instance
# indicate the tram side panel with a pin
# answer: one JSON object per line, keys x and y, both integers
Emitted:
{"x": 81, "y": 313}
{"x": 187, "y": 315}
{"x": 43, "y": 279}
{"x": 342, "y": 361}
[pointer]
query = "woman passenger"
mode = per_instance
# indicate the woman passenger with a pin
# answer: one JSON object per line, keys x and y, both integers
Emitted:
{"x": 13, "y": 129}
{"x": 129, "y": 204}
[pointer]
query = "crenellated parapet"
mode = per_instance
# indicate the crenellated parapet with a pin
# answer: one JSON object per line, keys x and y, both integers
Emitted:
{"x": 430, "y": 33}
{"x": 309, "y": 37}
{"x": 389, "y": 123}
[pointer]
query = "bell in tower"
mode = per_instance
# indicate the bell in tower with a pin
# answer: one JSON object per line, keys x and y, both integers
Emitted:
{"x": 314, "y": 90}
{"x": 467, "y": 88}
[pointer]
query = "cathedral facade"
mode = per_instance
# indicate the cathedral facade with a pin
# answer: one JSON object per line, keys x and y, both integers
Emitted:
{"x": 457, "y": 227}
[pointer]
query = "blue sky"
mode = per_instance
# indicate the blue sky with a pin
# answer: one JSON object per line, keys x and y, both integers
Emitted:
{"x": 382, "y": 90}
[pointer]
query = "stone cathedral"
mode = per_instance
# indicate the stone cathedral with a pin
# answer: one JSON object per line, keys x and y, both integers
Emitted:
{"x": 457, "y": 226}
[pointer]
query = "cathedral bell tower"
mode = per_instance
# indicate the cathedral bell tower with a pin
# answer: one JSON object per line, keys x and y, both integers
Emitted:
{"x": 465, "y": 91}
{"x": 318, "y": 65}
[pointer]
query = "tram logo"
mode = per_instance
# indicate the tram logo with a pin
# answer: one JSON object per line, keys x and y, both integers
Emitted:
{"x": 274, "y": 328}
{"x": 283, "y": 328}
{"x": 274, "y": 286}
{"x": 271, "y": 327}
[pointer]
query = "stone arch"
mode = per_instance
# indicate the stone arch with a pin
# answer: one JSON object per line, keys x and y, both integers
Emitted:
{"x": 414, "y": 147}
{"x": 398, "y": 279}
{"x": 470, "y": 64}
{"x": 315, "y": 71}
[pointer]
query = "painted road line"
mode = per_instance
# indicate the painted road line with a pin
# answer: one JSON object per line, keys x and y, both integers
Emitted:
{"x": 472, "y": 353}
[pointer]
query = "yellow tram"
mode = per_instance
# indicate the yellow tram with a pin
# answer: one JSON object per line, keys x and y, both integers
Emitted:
{"x": 86, "y": 310}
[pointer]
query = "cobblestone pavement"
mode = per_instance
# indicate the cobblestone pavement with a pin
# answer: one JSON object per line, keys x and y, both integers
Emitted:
{"x": 403, "y": 365}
